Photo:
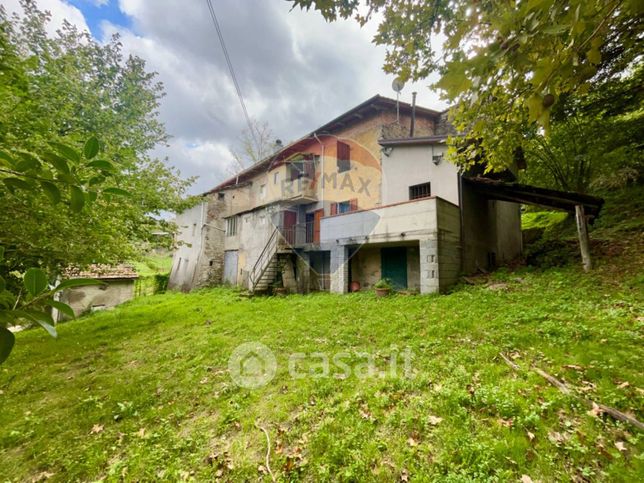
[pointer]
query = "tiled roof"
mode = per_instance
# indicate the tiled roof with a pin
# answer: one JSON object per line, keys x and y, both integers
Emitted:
{"x": 103, "y": 272}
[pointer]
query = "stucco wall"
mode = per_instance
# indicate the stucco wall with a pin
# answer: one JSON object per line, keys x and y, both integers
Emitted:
{"x": 411, "y": 165}
{"x": 189, "y": 245}
{"x": 389, "y": 223}
{"x": 111, "y": 294}
{"x": 198, "y": 258}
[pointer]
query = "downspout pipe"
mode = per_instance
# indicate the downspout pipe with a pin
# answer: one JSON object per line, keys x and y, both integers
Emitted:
{"x": 321, "y": 168}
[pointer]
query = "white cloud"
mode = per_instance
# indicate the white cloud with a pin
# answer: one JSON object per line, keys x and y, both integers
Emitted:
{"x": 59, "y": 9}
{"x": 296, "y": 71}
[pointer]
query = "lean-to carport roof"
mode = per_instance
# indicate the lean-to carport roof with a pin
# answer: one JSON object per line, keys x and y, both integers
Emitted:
{"x": 522, "y": 193}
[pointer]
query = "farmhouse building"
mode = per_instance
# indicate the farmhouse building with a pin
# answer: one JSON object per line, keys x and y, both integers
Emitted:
{"x": 369, "y": 195}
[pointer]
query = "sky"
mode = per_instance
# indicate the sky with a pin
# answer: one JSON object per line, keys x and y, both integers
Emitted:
{"x": 295, "y": 70}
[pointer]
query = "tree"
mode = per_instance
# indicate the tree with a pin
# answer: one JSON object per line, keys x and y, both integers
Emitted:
{"x": 594, "y": 141}
{"x": 62, "y": 91}
{"x": 504, "y": 65}
{"x": 252, "y": 146}
{"x": 68, "y": 199}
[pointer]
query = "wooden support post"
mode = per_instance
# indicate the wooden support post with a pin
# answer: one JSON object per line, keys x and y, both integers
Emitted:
{"x": 584, "y": 241}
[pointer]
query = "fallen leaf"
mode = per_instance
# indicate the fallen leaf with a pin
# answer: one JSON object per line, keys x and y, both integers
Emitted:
{"x": 623, "y": 385}
{"x": 531, "y": 436}
{"x": 412, "y": 442}
{"x": 97, "y": 428}
{"x": 44, "y": 475}
{"x": 620, "y": 446}
{"x": 574, "y": 367}
{"x": 556, "y": 437}
{"x": 141, "y": 433}
{"x": 404, "y": 475}
{"x": 526, "y": 479}
{"x": 596, "y": 411}
{"x": 505, "y": 422}
{"x": 434, "y": 420}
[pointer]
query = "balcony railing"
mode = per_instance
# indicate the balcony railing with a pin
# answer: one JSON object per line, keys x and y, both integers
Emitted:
{"x": 298, "y": 234}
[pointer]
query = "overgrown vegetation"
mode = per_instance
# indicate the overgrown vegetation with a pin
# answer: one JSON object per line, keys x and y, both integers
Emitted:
{"x": 143, "y": 392}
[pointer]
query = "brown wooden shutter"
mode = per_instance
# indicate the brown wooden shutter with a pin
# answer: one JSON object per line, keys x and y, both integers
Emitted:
{"x": 353, "y": 204}
{"x": 334, "y": 208}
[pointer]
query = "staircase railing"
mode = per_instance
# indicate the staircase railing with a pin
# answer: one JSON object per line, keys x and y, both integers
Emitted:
{"x": 264, "y": 258}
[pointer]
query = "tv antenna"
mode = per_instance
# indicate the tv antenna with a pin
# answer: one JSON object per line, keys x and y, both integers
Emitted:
{"x": 398, "y": 85}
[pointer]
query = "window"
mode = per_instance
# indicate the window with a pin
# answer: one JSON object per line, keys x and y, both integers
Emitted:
{"x": 262, "y": 191}
{"x": 231, "y": 226}
{"x": 276, "y": 177}
{"x": 302, "y": 169}
{"x": 420, "y": 191}
{"x": 343, "y": 157}
{"x": 344, "y": 206}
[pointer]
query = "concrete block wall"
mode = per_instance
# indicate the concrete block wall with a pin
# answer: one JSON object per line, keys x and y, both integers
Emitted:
{"x": 339, "y": 269}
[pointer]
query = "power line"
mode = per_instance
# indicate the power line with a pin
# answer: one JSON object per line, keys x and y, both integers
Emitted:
{"x": 213, "y": 15}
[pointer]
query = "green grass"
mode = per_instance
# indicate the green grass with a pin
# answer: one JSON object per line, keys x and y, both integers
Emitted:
{"x": 143, "y": 392}
{"x": 152, "y": 264}
{"x": 153, "y": 376}
{"x": 542, "y": 219}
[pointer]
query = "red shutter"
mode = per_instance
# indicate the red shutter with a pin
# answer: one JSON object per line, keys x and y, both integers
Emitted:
{"x": 334, "y": 208}
{"x": 353, "y": 204}
{"x": 344, "y": 151}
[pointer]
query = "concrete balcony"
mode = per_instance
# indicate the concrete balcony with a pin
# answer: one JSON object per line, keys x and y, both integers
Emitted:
{"x": 299, "y": 191}
{"x": 411, "y": 220}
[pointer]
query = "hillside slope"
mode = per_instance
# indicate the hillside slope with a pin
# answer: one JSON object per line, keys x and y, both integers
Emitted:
{"x": 143, "y": 392}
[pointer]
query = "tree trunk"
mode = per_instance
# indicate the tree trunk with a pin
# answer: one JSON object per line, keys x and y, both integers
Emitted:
{"x": 584, "y": 241}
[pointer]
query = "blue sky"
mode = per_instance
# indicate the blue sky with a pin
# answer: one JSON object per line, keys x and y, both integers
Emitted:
{"x": 97, "y": 11}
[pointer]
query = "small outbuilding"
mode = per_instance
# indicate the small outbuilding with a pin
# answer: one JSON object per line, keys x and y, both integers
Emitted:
{"x": 118, "y": 287}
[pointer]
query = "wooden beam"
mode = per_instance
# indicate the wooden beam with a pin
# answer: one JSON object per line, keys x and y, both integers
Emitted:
{"x": 584, "y": 240}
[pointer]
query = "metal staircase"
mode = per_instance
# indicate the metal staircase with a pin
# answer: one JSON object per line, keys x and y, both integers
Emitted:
{"x": 268, "y": 264}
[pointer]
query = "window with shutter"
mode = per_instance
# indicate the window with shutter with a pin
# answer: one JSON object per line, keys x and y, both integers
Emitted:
{"x": 334, "y": 208}
{"x": 353, "y": 204}
{"x": 343, "y": 157}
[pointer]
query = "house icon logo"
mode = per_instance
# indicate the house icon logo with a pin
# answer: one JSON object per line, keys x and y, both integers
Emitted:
{"x": 252, "y": 365}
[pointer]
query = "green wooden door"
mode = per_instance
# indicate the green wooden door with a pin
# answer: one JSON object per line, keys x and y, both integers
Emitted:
{"x": 394, "y": 265}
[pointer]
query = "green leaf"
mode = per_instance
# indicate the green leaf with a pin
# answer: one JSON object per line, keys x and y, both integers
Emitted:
{"x": 14, "y": 184}
{"x": 66, "y": 151}
{"x": 91, "y": 148}
{"x": 117, "y": 191}
{"x": 101, "y": 164}
{"x": 44, "y": 320}
{"x": 5, "y": 156}
{"x": 77, "y": 200}
{"x": 1, "y": 253}
{"x": 57, "y": 162}
{"x": 62, "y": 307}
{"x": 7, "y": 340}
{"x": 28, "y": 161}
{"x": 51, "y": 190}
{"x": 96, "y": 180}
{"x": 77, "y": 282}
{"x": 594, "y": 56}
{"x": 3, "y": 283}
{"x": 35, "y": 281}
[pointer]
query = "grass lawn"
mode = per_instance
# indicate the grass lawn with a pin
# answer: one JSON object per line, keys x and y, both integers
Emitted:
{"x": 143, "y": 392}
